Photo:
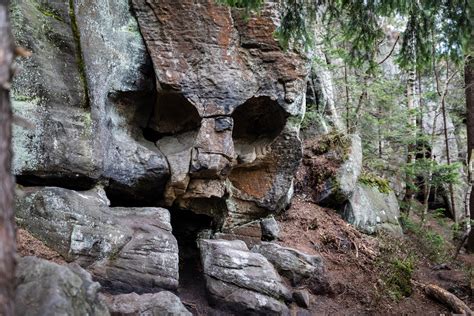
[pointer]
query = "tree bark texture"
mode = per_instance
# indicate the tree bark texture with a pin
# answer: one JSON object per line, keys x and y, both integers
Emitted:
{"x": 469, "y": 80}
{"x": 7, "y": 228}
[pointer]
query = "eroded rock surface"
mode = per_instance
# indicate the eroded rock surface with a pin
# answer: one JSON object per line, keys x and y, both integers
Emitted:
{"x": 370, "y": 210}
{"x": 240, "y": 280}
{"x": 300, "y": 268}
{"x": 157, "y": 304}
{"x": 88, "y": 90}
{"x": 46, "y": 288}
{"x": 127, "y": 249}
{"x": 232, "y": 99}
{"x": 49, "y": 92}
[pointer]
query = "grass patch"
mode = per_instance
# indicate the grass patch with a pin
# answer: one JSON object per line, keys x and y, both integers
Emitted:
{"x": 432, "y": 245}
{"x": 396, "y": 265}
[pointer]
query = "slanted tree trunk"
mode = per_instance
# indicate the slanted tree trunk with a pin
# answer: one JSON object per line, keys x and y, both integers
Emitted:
{"x": 469, "y": 80}
{"x": 7, "y": 229}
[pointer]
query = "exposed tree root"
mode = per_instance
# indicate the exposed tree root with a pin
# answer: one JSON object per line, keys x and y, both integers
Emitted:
{"x": 445, "y": 297}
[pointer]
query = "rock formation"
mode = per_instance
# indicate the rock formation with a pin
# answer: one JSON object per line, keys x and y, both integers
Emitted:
{"x": 127, "y": 249}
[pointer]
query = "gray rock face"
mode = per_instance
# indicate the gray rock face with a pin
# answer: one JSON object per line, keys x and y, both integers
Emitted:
{"x": 341, "y": 187}
{"x": 127, "y": 249}
{"x": 100, "y": 96}
{"x": 49, "y": 92}
{"x": 229, "y": 106}
{"x": 270, "y": 229}
{"x": 120, "y": 82}
{"x": 241, "y": 280}
{"x": 46, "y": 288}
{"x": 302, "y": 298}
{"x": 457, "y": 152}
{"x": 369, "y": 210}
{"x": 300, "y": 268}
{"x": 157, "y": 304}
{"x": 331, "y": 167}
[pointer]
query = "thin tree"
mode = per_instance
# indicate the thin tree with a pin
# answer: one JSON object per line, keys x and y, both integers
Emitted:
{"x": 7, "y": 228}
{"x": 469, "y": 81}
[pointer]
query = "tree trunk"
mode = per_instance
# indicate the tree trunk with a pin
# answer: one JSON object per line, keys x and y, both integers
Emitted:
{"x": 411, "y": 150}
{"x": 7, "y": 229}
{"x": 469, "y": 80}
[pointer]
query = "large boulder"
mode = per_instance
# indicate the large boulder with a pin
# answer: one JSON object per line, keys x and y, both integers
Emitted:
{"x": 331, "y": 166}
{"x": 157, "y": 304}
{"x": 126, "y": 249}
{"x": 46, "y": 288}
{"x": 229, "y": 106}
{"x": 300, "y": 268}
{"x": 370, "y": 210}
{"x": 49, "y": 91}
{"x": 240, "y": 280}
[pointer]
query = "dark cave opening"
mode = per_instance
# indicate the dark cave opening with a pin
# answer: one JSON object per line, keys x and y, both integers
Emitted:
{"x": 67, "y": 181}
{"x": 186, "y": 227}
{"x": 172, "y": 114}
{"x": 258, "y": 118}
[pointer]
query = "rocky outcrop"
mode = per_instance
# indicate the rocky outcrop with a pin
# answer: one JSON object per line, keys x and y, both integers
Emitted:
{"x": 301, "y": 269}
{"x": 120, "y": 81}
{"x": 157, "y": 304}
{"x": 456, "y": 153}
{"x": 49, "y": 91}
{"x": 370, "y": 210}
{"x": 240, "y": 280}
{"x": 127, "y": 249}
{"x": 331, "y": 166}
{"x": 88, "y": 89}
{"x": 46, "y": 288}
{"x": 231, "y": 101}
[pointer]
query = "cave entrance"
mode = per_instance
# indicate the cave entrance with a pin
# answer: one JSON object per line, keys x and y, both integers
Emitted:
{"x": 186, "y": 227}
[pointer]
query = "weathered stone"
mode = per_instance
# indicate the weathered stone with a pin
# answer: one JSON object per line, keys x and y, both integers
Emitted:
{"x": 370, "y": 210}
{"x": 270, "y": 229}
{"x": 250, "y": 233}
{"x": 331, "y": 167}
{"x": 120, "y": 82}
{"x": 157, "y": 304}
{"x": 127, "y": 249}
{"x": 299, "y": 268}
{"x": 244, "y": 107}
{"x": 339, "y": 188}
{"x": 88, "y": 107}
{"x": 457, "y": 150}
{"x": 241, "y": 280}
{"x": 301, "y": 298}
{"x": 50, "y": 93}
{"x": 46, "y": 288}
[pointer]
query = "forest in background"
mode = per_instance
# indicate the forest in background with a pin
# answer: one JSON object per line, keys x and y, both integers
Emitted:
{"x": 399, "y": 74}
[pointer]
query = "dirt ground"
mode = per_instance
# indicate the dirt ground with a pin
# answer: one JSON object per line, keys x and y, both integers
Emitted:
{"x": 353, "y": 263}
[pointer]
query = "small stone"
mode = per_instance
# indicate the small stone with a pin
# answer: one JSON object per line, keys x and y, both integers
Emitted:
{"x": 301, "y": 298}
{"x": 223, "y": 123}
{"x": 270, "y": 229}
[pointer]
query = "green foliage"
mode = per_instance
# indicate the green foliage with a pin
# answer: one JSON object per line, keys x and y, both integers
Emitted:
{"x": 441, "y": 173}
{"x": 249, "y": 6}
{"x": 335, "y": 141}
{"x": 433, "y": 27}
{"x": 373, "y": 180}
{"x": 432, "y": 244}
{"x": 396, "y": 265}
{"x": 398, "y": 277}
{"x": 79, "y": 58}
